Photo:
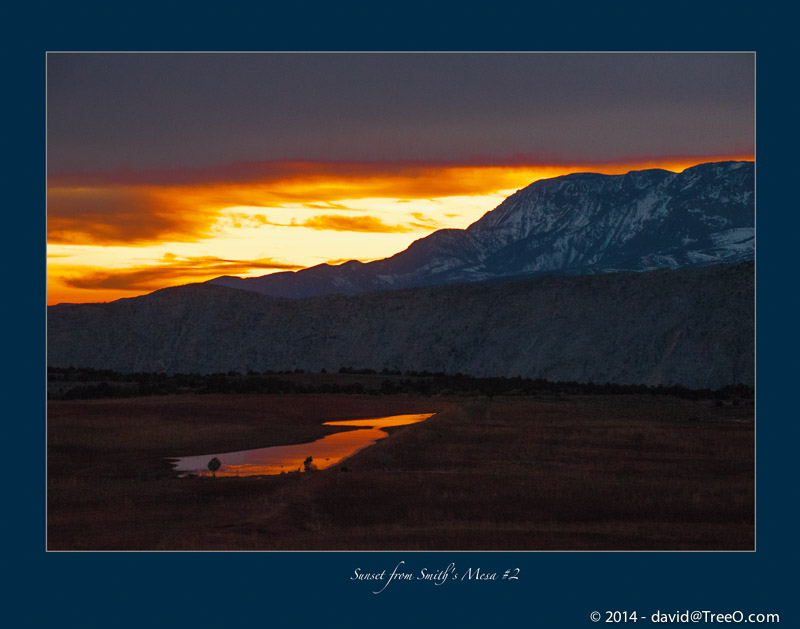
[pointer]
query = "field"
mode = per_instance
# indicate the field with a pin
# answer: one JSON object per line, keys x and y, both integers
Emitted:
{"x": 547, "y": 472}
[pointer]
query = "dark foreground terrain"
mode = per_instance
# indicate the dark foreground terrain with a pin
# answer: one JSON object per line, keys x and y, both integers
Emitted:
{"x": 519, "y": 473}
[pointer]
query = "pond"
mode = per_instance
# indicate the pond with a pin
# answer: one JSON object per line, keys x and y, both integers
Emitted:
{"x": 279, "y": 459}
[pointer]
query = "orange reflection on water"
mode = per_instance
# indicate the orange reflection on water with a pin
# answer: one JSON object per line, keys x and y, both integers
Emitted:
{"x": 279, "y": 459}
{"x": 382, "y": 422}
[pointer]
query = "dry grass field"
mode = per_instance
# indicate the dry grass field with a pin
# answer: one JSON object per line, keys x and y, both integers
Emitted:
{"x": 622, "y": 472}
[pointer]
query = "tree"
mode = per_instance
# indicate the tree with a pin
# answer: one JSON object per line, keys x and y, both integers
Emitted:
{"x": 308, "y": 465}
{"x": 214, "y": 464}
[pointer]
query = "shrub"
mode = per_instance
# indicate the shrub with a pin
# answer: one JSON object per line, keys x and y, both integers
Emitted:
{"x": 214, "y": 464}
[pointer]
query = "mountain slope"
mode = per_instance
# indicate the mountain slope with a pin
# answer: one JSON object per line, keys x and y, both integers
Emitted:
{"x": 582, "y": 223}
{"x": 693, "y": 327}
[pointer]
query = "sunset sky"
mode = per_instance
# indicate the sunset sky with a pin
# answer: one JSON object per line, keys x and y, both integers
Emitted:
{"x": 166, "y": 168}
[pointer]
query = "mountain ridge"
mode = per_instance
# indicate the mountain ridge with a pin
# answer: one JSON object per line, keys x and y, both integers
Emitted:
{"x": 581, "y": 223}
{"x": 692, "y": 327}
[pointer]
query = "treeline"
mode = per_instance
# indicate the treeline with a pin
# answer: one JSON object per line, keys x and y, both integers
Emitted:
{"x": 76, "y": 383}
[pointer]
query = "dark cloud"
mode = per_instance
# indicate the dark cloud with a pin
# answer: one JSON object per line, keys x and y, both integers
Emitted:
{"x": 268, "y": 173}
{"x": 174, "y": 111}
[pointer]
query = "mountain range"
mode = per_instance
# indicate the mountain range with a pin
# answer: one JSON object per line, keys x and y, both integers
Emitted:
{"x": 583, "y": 223}
{"x": 643, "y": 278}
{"x": 693, "y": 327}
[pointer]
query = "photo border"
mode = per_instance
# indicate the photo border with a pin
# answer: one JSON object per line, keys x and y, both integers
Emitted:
{"x": 284, "y": 589}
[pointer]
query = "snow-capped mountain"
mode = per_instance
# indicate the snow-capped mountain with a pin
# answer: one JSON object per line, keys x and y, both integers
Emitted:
{"x": 583, "y": 223}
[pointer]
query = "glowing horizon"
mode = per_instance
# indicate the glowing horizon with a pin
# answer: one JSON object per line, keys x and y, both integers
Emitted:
{"x": 124, "y": 234}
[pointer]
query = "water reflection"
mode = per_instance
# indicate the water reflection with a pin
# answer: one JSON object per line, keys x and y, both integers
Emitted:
{"x": 325, "y": 452}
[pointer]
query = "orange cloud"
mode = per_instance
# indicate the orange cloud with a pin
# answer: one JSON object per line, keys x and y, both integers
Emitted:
{"x": 352, "y": 224}
{"x": 140, "y": 207}
{"x": 428, "y": 223}
{"x": 247, "y": 174}
{"x": 124, "y": 215}
{"x": 338, "y": 261}
{"x": 169, "y": 270}
{"x": 326, "y": 205}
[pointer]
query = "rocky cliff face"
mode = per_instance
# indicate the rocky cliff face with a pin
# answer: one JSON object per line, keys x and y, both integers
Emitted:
{"x": 693, "y": 327}
{"x": 577, "y": 224}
